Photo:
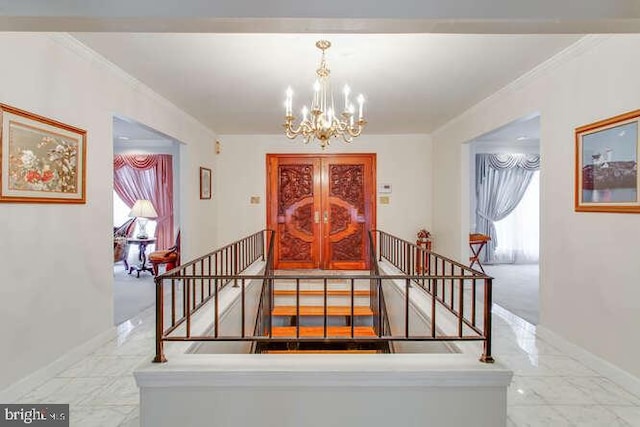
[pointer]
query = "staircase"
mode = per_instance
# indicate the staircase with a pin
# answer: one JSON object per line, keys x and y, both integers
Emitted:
{"x": 307, "y": 320}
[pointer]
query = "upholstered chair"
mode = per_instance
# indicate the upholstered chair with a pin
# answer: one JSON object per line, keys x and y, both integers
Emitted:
{"x": 169, "y": 257}
{"x": 120, "y": 246}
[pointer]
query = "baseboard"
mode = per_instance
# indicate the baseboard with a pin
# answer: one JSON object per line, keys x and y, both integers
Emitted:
{"x": 36, "y": 378}
{"x": 621, "y": 377}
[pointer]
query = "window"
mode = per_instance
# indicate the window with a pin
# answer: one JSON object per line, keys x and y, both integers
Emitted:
{"x": 519, "y": 233}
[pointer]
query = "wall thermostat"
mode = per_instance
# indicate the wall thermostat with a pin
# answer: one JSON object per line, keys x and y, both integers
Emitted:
{"x": 384, "y": 188}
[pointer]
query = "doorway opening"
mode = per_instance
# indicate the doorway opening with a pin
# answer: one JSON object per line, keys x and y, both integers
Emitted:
{"x": 146, "y": 167}
{"x": 505, "y": 205}
{"x": 322, "y": 208}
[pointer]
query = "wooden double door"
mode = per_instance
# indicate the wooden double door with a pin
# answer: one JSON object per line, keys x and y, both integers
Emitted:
{"x": 322, "y": 208}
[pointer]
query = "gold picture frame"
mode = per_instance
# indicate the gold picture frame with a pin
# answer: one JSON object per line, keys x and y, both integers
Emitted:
{"x": 606, "y": 174}
{"x": 41, "y": 160}
{"x": 205, "y": 183}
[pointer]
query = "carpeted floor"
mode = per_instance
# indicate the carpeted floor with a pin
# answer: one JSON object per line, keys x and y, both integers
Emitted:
{"x": 515, "y": 288}
{"x": 131, "y": 295}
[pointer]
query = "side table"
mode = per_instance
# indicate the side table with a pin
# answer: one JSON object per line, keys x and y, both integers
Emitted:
{"x": 142, "y": 256}
{"x": 477, "y": 241}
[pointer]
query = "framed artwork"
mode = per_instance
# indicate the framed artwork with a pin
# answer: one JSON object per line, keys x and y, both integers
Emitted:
{"x": 607, "y": 165}
{"x": 205, "y": 183}
{"x": 41, "y": 160}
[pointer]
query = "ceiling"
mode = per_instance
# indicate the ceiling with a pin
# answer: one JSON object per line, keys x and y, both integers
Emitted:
{"x": 128, "y": 133}
{"x": 413, "y": 83}
{"x": 522, "y": 134}
{"x": 525, "y": 129}
{"x": 124, "y": 129}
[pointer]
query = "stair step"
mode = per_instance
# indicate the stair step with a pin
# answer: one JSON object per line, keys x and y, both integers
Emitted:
{"x": 319, "y": 286}
{"x": 319, "y": 300}
{"x": 318, "y": 331}
{"x": 330, "y": 293}
{"x": 308, "y": 310}
{"x": 321, "y": 352}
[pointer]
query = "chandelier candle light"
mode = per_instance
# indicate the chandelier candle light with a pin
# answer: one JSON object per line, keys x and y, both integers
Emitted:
{"x": 322, "y": 122}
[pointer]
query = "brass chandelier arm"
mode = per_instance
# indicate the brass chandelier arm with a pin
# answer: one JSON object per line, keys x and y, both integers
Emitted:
{"x": 348, "y": 132}
{"x": 307, "y": 130}
{"x": 304, "y": 128}
{"x": 289, "y": 130}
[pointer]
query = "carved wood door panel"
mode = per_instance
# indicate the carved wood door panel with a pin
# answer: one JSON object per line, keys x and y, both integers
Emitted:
{"x": 348, "y": 198}
{"x": 294, "y": 195}
{"x": 321, "y": 208}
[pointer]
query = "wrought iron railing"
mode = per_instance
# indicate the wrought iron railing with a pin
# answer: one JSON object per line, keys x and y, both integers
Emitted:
{"x": 199, "y": 281}
{"x": 447, "y": 285}
{"x": 265, "y": 307}
{"x": 445, "y": 280}
{"x": 378, "y": 307}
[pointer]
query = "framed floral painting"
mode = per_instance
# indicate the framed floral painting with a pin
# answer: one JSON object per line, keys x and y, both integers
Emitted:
{"x": 41, "y": 160}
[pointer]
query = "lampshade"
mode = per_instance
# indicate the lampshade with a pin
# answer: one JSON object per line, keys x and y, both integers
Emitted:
{"x": 143, "y": 209}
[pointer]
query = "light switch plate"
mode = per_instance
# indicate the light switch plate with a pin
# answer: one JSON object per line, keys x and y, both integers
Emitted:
{"x": 255, "y": 200}
{"x": 384, "y": 200}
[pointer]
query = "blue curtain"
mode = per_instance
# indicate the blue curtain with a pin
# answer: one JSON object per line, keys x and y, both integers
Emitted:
{"x": 501, "y": 181}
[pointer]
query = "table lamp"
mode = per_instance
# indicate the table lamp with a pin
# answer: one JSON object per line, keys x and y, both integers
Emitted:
{"x": 143, "y": 210}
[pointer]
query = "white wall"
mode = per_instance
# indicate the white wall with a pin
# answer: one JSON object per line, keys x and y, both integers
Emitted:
{"x": 291, "y": 390}
{"x": 589, "y": 261}
{"x": 404, "y": 161}
{"x": 56, "y": 288}
{"x": 355, "y": 406}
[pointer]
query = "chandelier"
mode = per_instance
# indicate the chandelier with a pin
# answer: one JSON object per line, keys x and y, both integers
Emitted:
{"x": 323, "y": 122}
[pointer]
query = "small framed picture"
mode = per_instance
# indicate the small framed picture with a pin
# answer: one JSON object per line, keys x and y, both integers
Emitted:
{"x": 205, "y": 183}
{"x": 607, "y": 165}
{"x": 42, "y": 160}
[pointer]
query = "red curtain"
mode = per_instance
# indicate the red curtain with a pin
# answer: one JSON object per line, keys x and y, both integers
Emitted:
{"x": 150, "y": 177}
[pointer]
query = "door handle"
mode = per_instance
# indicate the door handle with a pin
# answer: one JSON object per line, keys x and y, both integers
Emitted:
{"x": 326, "y": 217}
{"x": 316, "y": 217}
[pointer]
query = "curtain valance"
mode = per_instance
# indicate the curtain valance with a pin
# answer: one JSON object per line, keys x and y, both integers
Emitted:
{"x": 529, "y": 162}
{"x": 136, "y": 161}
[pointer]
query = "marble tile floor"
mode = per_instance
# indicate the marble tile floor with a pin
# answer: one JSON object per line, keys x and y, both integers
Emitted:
{"x": 549, "y": 388}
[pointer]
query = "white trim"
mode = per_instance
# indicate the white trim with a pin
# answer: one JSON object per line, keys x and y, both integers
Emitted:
{"x": 621, "y": 377}
{"x": 313, "y": 371}
{"x": 73, "y": 356}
